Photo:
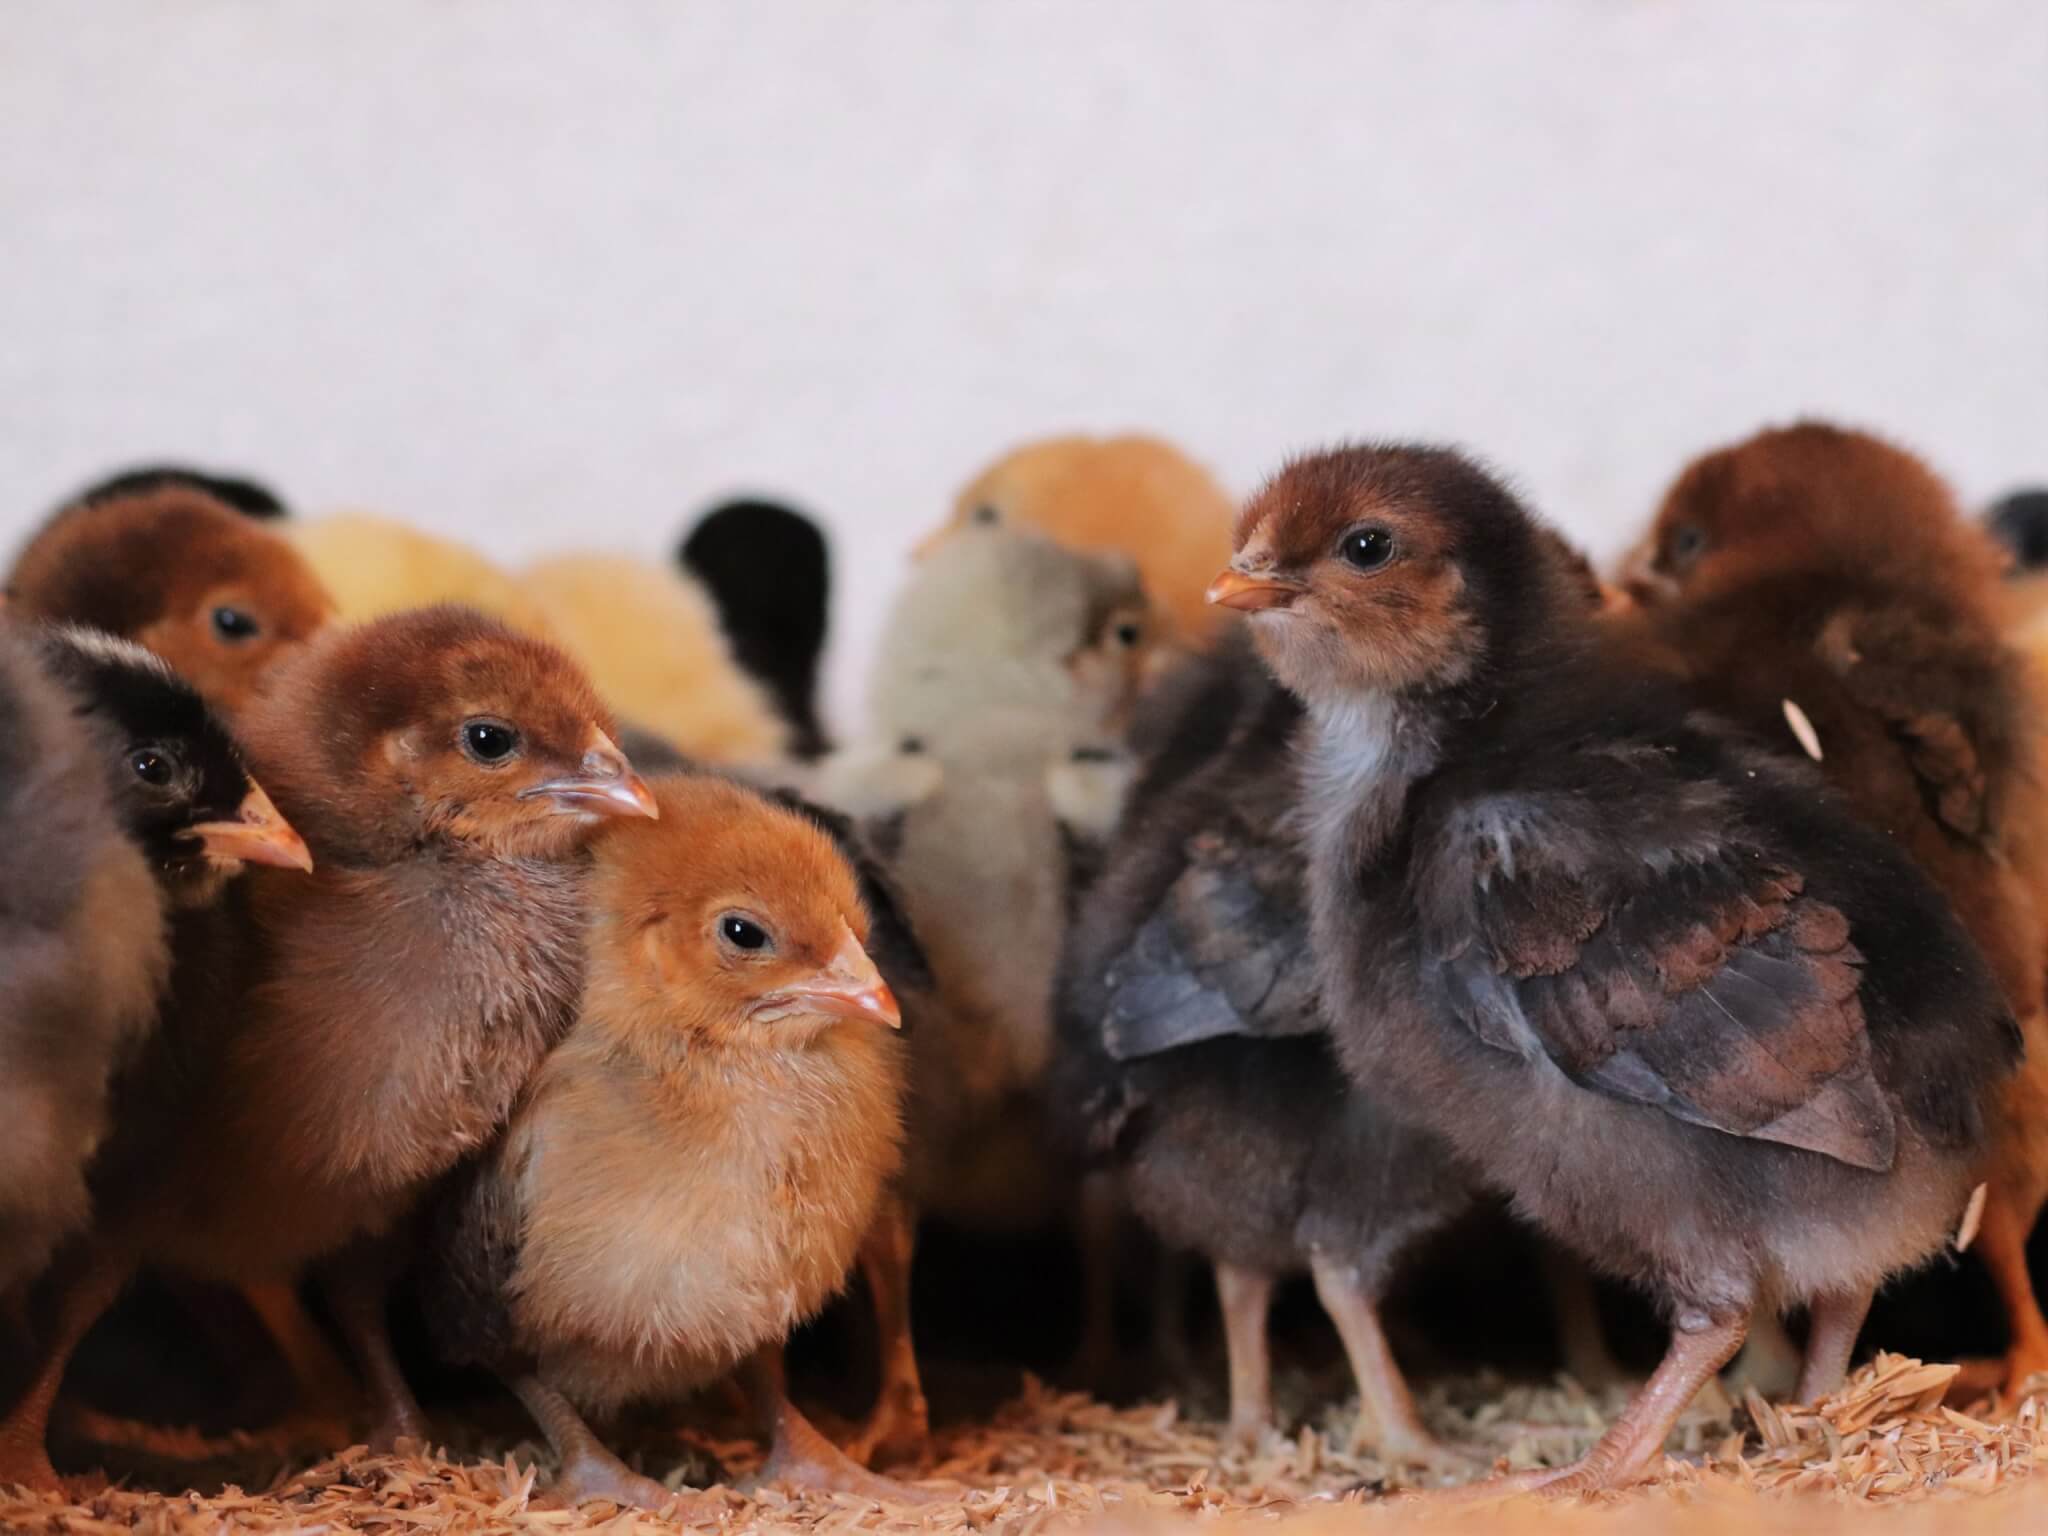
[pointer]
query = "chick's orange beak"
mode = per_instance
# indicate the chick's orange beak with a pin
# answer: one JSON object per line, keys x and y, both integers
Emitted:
{"x": 257, "y": 835}
{"x": 1254, "y": 594}
{"x": 604, "y": 785}
{"x": 848, "y": 988}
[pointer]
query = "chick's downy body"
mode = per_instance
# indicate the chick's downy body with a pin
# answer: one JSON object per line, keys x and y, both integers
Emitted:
{"x": 1193, "y": 1058}
{"x": 83, "y": 956}
{"x": 1832, "y": 570}
{"x": 1652, "y": 981}
{"x": 698, "y": 1161}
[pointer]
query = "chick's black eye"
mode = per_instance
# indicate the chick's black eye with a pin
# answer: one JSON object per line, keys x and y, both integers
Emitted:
{"x": 1127, "y": 634}
{"x": 150, "y": 765}
{"x": 234, "y": 625}
{"x": 1687, "y": 541}
{"x": 489, "y": 741}
{"x": 1367, "y": 549}
{"x": 742, "y": 933}
{"x": 987, "y": 515}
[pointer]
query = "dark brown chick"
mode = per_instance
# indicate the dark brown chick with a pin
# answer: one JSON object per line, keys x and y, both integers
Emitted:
{"x": 216, "y": 594}
{"x": 340, "y": 1042}
{"x": 1651, "y": 980}
{"x": 697, "y": 1162}
{"x": 1829, "y": 573}
{"x": 1192, "y": 1058}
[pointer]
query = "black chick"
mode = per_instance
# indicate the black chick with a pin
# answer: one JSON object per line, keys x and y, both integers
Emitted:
{"x": 251, "y": 498}
{"x": 1193, "y": 1059}
{"x": 768, "y": 569}
{"x": 2020, "y": 522}
{"x": 111, "y": 771}
{"x": 1656, "y": 983}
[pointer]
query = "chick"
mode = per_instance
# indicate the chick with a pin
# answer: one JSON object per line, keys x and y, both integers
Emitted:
{"x": 1833, "y": 571}
{"x": 216, "y": 594}
{"x": 122, "y": 801}
{"x": 2020, "y": 522}
{"x": 1000, "y": 679}
{"x": 726, "y": 1110}
{"x": 1132, "y": 494}
{"x": 651, "y": 641}
{"x": 769, "y": 570}
{"x": 1652, "y": 981}
{"x": 375, "y": 567}
{"x": 1192, "y": 1057}
{"x": 249, "y": 497}
{"x": 342, "y": 1041}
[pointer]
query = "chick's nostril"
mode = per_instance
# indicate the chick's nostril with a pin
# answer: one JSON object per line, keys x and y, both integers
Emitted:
{"x": 600, "y": 764}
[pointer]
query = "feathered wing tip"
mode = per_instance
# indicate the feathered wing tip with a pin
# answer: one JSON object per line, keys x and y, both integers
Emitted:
{"x": 768, "y": 569}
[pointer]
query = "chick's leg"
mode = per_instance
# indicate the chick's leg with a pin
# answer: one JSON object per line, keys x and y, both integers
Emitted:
{"x": 1246, "y": 1298}
{"x": 1830, "y": 1341}
{"x": 83, "y": 1296}
{"x": 798, "y": 1454}
{"x": 324, "y": 1382}
{"x": 899, "y": 1427}
{"x": 1575, "y": 1312}
{"x": 1098, "y": 1226}
{"x": 357, "y": 1286}
{"x": 589, "y": 1471}
{"x": 2002, "y": 1242}
{"x": 1387, "y": 1420}
{"x": 1630, "y": 1448}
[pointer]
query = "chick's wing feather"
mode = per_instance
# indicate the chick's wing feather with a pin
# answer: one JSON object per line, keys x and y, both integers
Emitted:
{"x": 1946, "y": 699}
{"x": 1221, "y": 954}
{"x": 1622, "y": 925}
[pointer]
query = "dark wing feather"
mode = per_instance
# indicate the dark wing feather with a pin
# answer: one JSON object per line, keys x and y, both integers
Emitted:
{"x": 1655, "y": 959}
{"x": 1225, "y": 952}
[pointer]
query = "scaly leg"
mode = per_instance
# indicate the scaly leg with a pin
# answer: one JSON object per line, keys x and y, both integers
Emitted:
{"x": 1630, "y": 1448}
{"x": 1770, "y": 1362}
{"x": 589, "y": 1471}
{"x": 357, "y": 1286}
{"x": 2002, "y": 1242}
{"x": 899, "y": 1427}
{"x": 1246, "y": 1298}
{"x": 1387, "y": 1420}
{"x": 798, "y": 1454}
{"x": 83, "y": 1298}
{"x": 1830, "y": 1341}
{"x": 325, "y": 1384}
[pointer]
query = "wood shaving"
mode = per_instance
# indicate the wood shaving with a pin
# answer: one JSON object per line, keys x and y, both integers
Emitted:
{"x": 1053, "y": 1461}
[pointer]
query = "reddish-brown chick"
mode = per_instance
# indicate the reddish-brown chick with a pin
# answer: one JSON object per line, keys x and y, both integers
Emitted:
{"x": 1833, "y": 572}
{"x": 694, "y": 1169}
{"x": 342, "y": 1040}
{"x": 216, "y": 594}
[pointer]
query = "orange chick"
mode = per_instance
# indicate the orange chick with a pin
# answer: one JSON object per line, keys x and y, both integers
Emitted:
{"x": 1823, "y": 588}
{"x": 1132, "y": 494}
{"x": 216, "y": 594}
{"x": 343, "y": 1040}
{"x": 691, "y": 1176}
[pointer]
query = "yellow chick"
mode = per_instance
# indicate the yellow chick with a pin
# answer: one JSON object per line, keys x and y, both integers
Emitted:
{"x": 1133, "y": 494}
{"x": 375, "y": 566}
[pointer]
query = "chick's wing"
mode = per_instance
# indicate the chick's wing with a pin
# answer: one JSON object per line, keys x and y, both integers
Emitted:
{"x": 1622, "y": 924}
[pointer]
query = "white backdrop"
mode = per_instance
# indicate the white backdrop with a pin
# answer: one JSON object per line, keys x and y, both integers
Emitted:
{"x": 546, "y": 274}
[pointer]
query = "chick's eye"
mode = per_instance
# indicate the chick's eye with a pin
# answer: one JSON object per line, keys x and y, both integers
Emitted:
{"x": 987, "y": 515}
{"x": 742, "y": 932}
{"x": 1366, "y": 549}
{"x": 234, "y": 625}
{"x": 489, "y": 741}
{"x": 150, "y": 765}
{"x": 1687, "y": 541}
{"x": 1127, "y": 634}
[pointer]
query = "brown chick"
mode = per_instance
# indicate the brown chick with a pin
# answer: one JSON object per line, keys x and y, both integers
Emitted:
{"x": 216, "y": 594}
{"x": 1828, "y": 571}
{"x": 692, "y": 1174}
{"x": 342, "y": 1040}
